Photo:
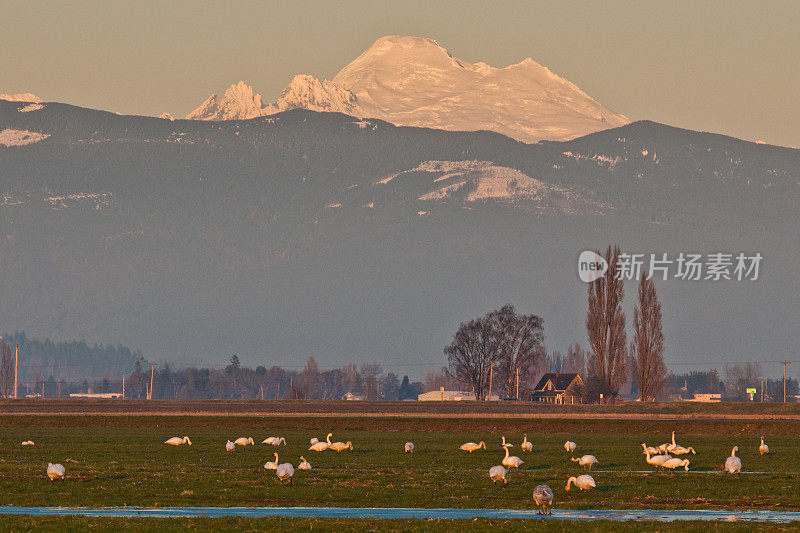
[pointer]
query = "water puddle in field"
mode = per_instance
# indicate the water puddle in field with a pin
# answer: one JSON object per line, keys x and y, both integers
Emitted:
{"x": 401, "y": 512}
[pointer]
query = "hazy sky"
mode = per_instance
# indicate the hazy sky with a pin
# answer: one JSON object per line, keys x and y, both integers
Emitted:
{"x": 732, "y": 67}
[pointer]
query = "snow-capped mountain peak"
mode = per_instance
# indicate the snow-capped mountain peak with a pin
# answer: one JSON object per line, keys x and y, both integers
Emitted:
{"x": 239, "y": 102}
{"x": 21, "y": 97}
{"x": 307, "y": 92}
{"x": 413, "y": 81}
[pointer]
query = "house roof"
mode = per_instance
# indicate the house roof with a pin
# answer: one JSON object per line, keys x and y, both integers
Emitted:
{"x": 560, "y": 381}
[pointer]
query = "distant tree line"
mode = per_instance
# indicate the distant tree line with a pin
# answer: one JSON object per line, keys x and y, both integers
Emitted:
{"x": 73, "y": 361}
{"x": 235, "y": 381}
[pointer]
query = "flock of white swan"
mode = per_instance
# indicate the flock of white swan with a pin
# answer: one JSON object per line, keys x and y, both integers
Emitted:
{"x": 661, "y": 456}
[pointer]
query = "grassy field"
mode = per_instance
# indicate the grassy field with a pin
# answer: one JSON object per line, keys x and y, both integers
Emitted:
{"x": 113, "y": 461}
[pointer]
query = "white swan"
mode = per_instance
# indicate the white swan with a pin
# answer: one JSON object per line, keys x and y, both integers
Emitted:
{"x": 655, "y": 460}
{"x": 55, "y": 471}
{"x": 274, "y": 441}
{"x": 583, "y": 482}
{"x": 674, "y": 463}
{"x": 570, "y": 446}
{"x": 513, "y": 461}
{"x": 304, "y": 465}
{"x": 471, "y": 446}
{"x": 498, "y": 473}
{"x": 409, "y": 447}
{"x": 230, "y": 446}
{"x": 677, "y": 449}
{"x": 663, "y": 447}
{"x": 526, "y": 446}
{"x": 321, "y": 446}
{"x": 733, "y": 464}
{"x": 177, "y": 441}
{"x": 650, "y": 449}
{"x": 272, "y": 465}
{"x": 504, "y": 443}
{"x": 763, "y": 448}
{"x": 339, "y": 446}
{"x": 244, "y": 441}
{"x": 285, "y": 472}
{"x": 585, "y": 460}
{"x": 27, "y": 443}
{"x": 543, "y": 497}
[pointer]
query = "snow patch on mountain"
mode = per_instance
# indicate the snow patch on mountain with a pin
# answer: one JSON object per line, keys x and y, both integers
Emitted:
{"x": 92, "y": 200}
{"x": 473, "y": 182}
{"x": 21, "y": 97}
{"x": 30, "y": 107}
{"x": 10, "y": 137}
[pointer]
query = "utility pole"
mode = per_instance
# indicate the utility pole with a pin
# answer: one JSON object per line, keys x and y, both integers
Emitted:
{"x": 262, "y": 392}
{"x": 152, "y": 373}
{"x": 16, "y": 373}
{"x": 517, "y": 383}
{"x": 784, "y": 379}
{"x": 123, "y": 386}
{"x": 491, "y": 372}
{"x": 762, "y": 390}
{"x": 59, "y": 389}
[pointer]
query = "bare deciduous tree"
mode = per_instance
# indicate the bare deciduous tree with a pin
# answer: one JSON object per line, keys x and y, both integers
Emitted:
{"x": 6, "y": 370}
{"x": 648, "y": 342}
{"x": 605, "y": 325}
{"x": 520, "y": 344}
{"x": 575, "y": 361}
{"x": 472, "y": 354}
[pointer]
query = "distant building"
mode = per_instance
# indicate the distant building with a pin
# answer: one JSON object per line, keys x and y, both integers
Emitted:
{"x": 349, "y": 396}
{"x": 558, "y": 388}
{"x": 106, "y": 395}
{"x": 442, "y": 395}
{"x": 706, "y": 397}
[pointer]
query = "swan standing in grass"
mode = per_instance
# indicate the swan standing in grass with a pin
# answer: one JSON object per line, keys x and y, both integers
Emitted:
{"x": 244, "y": 441}
{"x": 513, "y": 461}
{"x": 271, "y": 465}
{"x": 230, "y": 446}
{"x": 583, "y": 482}
{"x": 673, "y": 463}
{"x": 763, "y": 449}
{"x": 498, "y": 473}
{"x": 663, "y": 447}
{"x": 177, "y": 441}
{"x": 285, "y": 472}
{"x": 655, "y": 460}
{"x": 55, "y": 471}
{"x": 526, "y": 446}
{"x": 733, "y": 464}
{"x": 471, "y": 446}
{"x": 504, "y": 443}
{"x": 543, "y": 497}
{"x": 570, "y": 446}
{"x": 304, "y": 465}
{"x": 321, "y": 446}
{"x": 409, "y": 447}
{"x": 27, "y": 443}
{"x": 585, "y": 460}
{"x": 274, "y": 441}
{"x": 339, "y": 446}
